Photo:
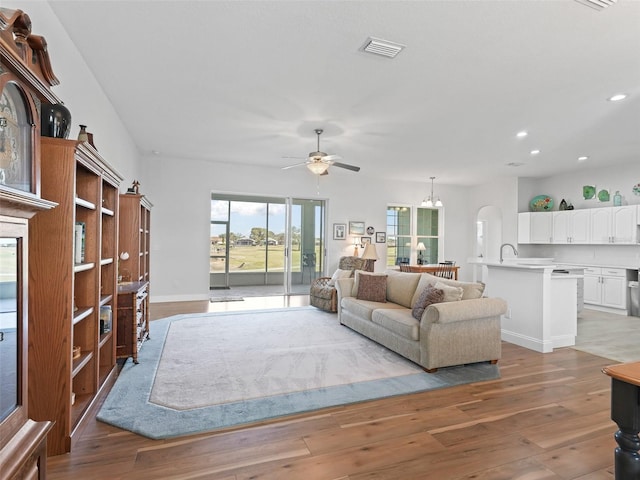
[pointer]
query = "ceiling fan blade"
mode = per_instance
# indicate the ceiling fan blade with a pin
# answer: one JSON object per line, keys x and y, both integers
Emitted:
{"x": 331, "y": 158}
{"x": 347, "y": 166}
{"x": 294, "y": 165}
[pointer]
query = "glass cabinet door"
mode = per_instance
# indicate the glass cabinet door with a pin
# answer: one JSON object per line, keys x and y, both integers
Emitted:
{"x": 16, "y": 127}
{"x": 10, "y": 326}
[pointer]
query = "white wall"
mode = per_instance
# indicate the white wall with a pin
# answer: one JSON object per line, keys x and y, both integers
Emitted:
{"x": 501, "y": 193}
{"x": 181, "y": 190}
{"x": 81, "y": 93}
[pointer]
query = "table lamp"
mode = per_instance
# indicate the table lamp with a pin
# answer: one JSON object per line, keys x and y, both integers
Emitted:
{"x": 369, "y": 252}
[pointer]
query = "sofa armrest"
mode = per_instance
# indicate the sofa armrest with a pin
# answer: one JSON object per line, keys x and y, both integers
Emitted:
{"x": 450, "y": 312}
{"x": 320, "y": 282}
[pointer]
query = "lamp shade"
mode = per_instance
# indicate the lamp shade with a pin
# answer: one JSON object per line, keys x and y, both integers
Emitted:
{"x": 421, "y": 246}
{"x": 370, "y": 252}
{"x": 318, "y": 167}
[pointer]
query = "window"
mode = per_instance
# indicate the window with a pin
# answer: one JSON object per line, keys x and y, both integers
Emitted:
{"x": 398, "y": 235}
{"x": 427, "y": 232}
{"x": 403, "y": 237}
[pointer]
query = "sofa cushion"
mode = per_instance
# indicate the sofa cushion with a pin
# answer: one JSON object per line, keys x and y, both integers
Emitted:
{"x": 399, "y": 321}
{"x": 470, "y": 289}
{"x": 356, "y": 280}
{"x": 451, "y": 294}
{"x": 363, "y": 308}
{"x": 428, "y": 296}
{"x": 339, "y": 274}
{"x": 371, "y": 287}
{"x": 401, "y": 287}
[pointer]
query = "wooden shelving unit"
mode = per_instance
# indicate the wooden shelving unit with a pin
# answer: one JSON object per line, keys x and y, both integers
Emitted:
{"x": 135, "y": 237}
{"x": 65, "y": 310}
{"x": 133, "y": 287}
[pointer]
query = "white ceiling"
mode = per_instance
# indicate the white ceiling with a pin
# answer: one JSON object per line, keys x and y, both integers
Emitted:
{"x": 247, "y": 82}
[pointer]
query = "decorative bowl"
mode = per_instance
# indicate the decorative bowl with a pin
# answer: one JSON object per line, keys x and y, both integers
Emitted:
{"x": 541, "y": 203}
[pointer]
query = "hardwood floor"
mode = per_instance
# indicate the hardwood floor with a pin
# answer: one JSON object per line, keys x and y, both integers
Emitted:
{"x": 547, "y": 417}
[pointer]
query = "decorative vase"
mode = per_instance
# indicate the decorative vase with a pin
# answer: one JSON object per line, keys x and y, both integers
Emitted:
{"x": 617, "y": 199}
{"x": 563, "y": 205}
{"x": 55, "y": 120}
{"x": 83, "y": 136}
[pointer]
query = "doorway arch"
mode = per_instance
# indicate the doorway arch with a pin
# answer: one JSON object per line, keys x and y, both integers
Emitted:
{"x": 488, "y": 232}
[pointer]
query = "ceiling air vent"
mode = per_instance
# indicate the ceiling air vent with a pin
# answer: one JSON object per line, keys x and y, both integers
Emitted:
{"x": 597, "y": 4}
{"x": 382, "y": 47}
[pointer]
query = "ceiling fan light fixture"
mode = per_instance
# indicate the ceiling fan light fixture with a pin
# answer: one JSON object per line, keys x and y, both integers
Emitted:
{"x": 316, "y": 155}
{"x": 318, "y": 167}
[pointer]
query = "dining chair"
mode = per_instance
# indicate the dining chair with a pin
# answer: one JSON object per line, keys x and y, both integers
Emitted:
{"x": 445, "y": 269}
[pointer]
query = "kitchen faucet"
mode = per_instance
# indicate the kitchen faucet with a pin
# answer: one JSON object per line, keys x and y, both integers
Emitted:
{"x": 510, "y": 245}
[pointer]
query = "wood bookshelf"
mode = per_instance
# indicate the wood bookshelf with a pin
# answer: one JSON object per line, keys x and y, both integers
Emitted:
{"x": 66, "y": 296}
{"x": 135, "y": 237}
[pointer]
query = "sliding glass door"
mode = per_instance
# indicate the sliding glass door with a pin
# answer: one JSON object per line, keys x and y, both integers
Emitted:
{"x": 273, "y": 244}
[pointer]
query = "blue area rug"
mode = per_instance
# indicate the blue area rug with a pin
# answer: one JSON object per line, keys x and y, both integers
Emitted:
{"x": 129, "y": 404}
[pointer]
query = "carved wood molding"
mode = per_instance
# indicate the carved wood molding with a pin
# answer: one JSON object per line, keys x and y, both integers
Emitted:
{"x": 26, "y": 54}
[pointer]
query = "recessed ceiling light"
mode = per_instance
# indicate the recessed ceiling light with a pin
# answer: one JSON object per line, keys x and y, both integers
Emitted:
{"x": 521, "y": 134}
{"x": 582, "y": 158}
{"x": 617, "y": 97}
{"x": 535, "y": 152}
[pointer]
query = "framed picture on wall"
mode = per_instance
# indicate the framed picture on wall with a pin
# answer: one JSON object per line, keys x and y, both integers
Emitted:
{"x": 381, "y": 237}
{"x": 339, "y": 231}
{"x": 356, "y": 228}
{"x": 365, "y": 240}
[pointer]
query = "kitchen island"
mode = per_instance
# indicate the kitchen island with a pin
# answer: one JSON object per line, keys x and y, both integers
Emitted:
{"x": 542, "y": 298}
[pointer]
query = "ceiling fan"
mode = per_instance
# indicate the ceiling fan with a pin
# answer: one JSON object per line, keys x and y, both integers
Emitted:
{"x": 319, "y": 162}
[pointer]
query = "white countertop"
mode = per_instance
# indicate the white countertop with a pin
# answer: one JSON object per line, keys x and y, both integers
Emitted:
{"x": 535, "y": 262}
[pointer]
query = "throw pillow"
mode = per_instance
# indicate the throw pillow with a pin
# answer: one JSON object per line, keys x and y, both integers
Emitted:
{"x": 428, "y": 296}
{"x": 339, "y": 274}
{"x": 372, "y": 288}
{"x": 451, "y": 294}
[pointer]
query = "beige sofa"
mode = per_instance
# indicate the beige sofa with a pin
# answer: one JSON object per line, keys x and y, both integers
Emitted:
{"x": 448, "y": 333}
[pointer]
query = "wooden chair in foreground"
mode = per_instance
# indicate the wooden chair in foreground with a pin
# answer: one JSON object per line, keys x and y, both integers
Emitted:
{"x": 445, "y": 269}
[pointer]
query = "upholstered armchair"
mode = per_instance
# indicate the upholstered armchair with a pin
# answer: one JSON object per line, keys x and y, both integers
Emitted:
{"x": 323, "y": 292}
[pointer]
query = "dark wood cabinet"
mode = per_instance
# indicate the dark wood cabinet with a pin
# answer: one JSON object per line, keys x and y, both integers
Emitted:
{"x": 25, "y": 81}
{"x": 133, "y": 318}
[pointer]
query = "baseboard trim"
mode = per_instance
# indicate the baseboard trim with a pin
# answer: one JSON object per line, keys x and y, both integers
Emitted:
{"x": 178, "y": 298}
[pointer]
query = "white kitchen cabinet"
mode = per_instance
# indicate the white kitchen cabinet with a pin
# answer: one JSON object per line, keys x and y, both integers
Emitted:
{"x": 606, "y": 287}
{"x": 535, "y": 227}
{"x": 524, "y": 227}
{"x": 571, "y": 226}
{"x": 595, "y": 226}
{"x": 617, "y": 225}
